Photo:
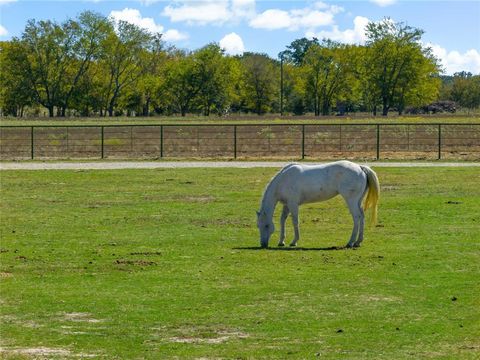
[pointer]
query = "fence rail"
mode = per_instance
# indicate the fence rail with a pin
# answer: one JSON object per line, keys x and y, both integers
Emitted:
{"x": 312, "y": 141}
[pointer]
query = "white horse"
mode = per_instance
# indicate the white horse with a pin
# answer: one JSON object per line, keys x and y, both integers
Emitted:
{"x": 298, "y": 184}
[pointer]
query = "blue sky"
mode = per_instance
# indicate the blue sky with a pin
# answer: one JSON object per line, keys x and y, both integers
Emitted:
{"x": 452, "y": 28}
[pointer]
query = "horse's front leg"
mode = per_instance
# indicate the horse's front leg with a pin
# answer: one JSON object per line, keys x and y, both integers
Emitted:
{"x": 294, "y": 211}
{"x": 283, "y": 218}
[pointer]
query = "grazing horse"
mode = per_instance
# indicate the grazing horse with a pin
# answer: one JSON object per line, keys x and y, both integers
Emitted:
{"x": 298, "y": 184}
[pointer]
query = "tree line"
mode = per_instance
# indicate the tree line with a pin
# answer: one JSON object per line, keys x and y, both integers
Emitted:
{"x": 91, "y": 65}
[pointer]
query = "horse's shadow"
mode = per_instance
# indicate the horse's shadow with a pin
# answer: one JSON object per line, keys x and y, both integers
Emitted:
{"x": 289, "y": 248}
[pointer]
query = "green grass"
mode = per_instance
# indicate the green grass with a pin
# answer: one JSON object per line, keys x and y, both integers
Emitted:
{"x": 154, "y": 264}
{"x": 246, "y": 119}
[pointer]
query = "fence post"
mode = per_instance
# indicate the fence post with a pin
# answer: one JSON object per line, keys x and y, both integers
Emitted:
{"x": 439, "y": 141}
{"x": 161, "y": 141}
{"x": 31, "y": 142}
{"x": 303, "y": 141}
{"x": 378, "y": 141}
{"x": 102, "y": 141}
{"x": 234, "y": 141}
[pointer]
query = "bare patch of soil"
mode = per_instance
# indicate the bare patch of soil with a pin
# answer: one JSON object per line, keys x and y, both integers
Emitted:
{"x": 135, "y": 262}
{"x": 147, "y": 253}
{"x": 79, "y": 317}
{"x": 200, "y": 335}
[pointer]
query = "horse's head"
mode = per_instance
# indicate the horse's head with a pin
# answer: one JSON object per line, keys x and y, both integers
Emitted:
{"x": 265, "y": 226}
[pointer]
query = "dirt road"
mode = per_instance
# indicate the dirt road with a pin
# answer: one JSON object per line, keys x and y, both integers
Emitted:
{"x": 114, "y": 165}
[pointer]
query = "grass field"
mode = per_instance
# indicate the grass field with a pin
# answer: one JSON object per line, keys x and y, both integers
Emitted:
{"x": 245, "y": 119}
{"x": 154, "y": 264}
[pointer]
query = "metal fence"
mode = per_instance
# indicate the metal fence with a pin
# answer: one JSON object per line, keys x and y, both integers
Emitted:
{"x": 297, "y": 141}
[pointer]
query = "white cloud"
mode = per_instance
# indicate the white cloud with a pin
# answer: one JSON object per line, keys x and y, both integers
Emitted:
{"x": 272, "y": 19}
{"x": 311, "y": 17}
{"x": 454, "y": 61}
{"x": 2, "y": 2}
{"x": 202, "y": 12}
{"x": 243, "y": 8}
{"x": 173, "y": 35}
{"x": 133, "y": 16}
{"x": 198, "y": 12}
{"x": 148, "y": 2}
{"x": 349, "y": 36}
{"x": 232, "y": 44}
{"x": 3, "y": 31}
{"x": 384, "y": 3}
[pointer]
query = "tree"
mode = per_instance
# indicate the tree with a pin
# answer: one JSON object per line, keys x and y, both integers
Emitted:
{"x": 465, "y": 90}
{"x": 15, "y": 92}
{"x": 48, "y": 47}
{"x": 297, "y": 50}
{"x": 181, "y": 84}
{"x": 90, "y": 31}
{"x": 260, "y": 85}
{"x": 213, "y": 73}
{"x": 59, "y": 55}
{"x": 328, "y": 74}
{"x": 420, "y": 84}
{"x": 393, "y": 51}
{"x": 123, "y": 60}
{"x": 152, "y": 80}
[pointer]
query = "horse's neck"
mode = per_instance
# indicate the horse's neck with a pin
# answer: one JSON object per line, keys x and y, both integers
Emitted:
{"x": 269, "y": 200}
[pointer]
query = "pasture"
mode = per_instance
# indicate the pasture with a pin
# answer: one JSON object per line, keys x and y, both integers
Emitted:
{"x": 166, "y": 264}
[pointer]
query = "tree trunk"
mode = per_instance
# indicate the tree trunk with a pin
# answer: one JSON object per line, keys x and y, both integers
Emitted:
{"x": 146, "y": 108}
{"x": 325, "y": 108}
{"x": 51, "y": 112}
{"x": 385, "y": 107}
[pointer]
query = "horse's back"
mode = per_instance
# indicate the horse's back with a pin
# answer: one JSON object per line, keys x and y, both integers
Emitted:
{"x": 310, "y": 183}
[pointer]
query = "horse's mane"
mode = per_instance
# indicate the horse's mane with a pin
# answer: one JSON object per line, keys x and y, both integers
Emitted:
{"x": 274, "y": 178}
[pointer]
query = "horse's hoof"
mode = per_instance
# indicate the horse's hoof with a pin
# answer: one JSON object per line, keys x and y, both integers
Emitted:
{"x": 293, "y": 245}
{"x": 281, "y": 244}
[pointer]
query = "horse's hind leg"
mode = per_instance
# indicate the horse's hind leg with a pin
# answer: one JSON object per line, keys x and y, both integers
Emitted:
{"x": 361, "y": 226}
{"x": 358, "y": 220}
{"x": 362, "y": 219}
{"x": 283, "y": 218}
